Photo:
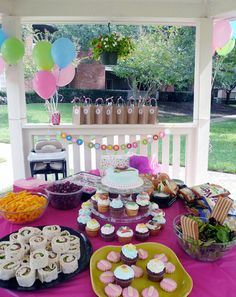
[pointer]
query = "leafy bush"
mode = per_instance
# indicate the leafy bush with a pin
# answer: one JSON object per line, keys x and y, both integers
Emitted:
{"x": 176, "y": 96}
{"x": 69, "y": 94}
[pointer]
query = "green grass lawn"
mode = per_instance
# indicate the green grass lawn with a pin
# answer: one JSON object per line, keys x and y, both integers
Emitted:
{"x": 222, "y": 156}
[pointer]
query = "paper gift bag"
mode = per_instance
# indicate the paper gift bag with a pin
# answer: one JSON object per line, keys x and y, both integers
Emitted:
{"x": 77, "y": 114}
{"x": 142, "y": 112}
{"x": 110, "y": 111}
{"x": 152, "y": 111}
{"x": 121, "y": 111}
{"x": 88, "y": 112}
{"x": 99, "y": 115}
{"x": 132, "y": 111}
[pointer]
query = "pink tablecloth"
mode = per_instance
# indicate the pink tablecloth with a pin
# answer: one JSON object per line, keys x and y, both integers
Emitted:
{"x": 216, "y": 279}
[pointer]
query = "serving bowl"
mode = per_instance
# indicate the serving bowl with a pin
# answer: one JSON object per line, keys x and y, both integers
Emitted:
{"x": 200, "y": 250}
{"x": 22, "y": 217}
{"x": 66, "y": 199}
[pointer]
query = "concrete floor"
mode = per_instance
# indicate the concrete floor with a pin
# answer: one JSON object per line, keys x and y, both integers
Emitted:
{"x": 6, "y": 179}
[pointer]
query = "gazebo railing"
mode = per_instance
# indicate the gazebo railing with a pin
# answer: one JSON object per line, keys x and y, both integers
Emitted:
{"x": 175, "y": 152}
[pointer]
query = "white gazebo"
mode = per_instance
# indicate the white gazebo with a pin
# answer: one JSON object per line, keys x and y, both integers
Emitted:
{"x": 199, "y": 13}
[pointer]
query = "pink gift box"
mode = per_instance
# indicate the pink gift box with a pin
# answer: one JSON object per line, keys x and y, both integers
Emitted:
{"x": 30, "y": 184}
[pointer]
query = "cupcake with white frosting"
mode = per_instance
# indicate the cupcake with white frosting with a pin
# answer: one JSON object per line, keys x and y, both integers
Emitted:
{"x": 92, "y": 228}
{"x": 143, "y": 204}
{"x": 116, "y": 208}
{"x": 141, "y": 232}
{"x": 160, "y": 219}
{"x": 156, "y": 270}
{"x": 129, "y": 254}
{"x": 131, "y": 208}
{"x": 123, "y": 275}
{"x": 107, "y": 232}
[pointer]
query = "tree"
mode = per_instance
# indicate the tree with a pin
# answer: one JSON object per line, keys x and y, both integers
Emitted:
{"x": 224, "y": 73}
{"x": 81, "y": 35}
{"x": 161, "y": 57}
{"x": 85, "y": 33}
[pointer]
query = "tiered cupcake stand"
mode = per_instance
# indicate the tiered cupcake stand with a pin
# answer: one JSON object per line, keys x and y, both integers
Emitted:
{"x": 125, "y": 195}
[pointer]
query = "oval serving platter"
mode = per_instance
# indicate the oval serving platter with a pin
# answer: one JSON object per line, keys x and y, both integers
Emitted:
{"x": 183, "y": 279}
{"x": 86, "y": 251}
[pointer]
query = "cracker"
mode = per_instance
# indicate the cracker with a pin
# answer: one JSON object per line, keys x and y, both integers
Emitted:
{"x": 189, "y": 228}
{"x": 221, "y": 209}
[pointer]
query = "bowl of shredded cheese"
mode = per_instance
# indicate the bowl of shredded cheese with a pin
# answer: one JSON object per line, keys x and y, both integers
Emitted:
{"x": 22, "y": 207}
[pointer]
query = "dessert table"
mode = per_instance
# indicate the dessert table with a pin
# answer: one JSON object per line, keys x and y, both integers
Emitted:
{"x": 215, "y": 279}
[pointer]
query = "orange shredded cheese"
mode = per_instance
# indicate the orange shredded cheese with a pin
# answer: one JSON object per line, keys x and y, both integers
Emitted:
{"x": 22, "y": 206}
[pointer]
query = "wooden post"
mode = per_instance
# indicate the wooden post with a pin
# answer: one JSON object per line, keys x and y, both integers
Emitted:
{"x": 16, "y": 101}
{"x": 202, "y": 98}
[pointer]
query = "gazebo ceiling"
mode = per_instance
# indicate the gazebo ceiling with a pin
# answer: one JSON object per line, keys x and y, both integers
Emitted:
{"x": 117, "y": 10}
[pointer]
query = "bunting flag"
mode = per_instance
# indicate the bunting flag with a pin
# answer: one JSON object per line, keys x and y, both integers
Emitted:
{"x": 113, "y": 147}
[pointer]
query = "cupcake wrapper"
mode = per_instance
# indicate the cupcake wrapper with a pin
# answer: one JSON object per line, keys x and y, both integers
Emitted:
{"x": 124, "y": 239}
{"x": 116, "y": 213}
{"x": 156, "y": 277}
{"x": 154, "y": 232}
{"x": 131, "y": 213}
{"x": 110, "y": 237}
{"x": 142, "y": 236}
{"x": 102, "y": 208}
{"x": 128, "y": 261}
{"x": 81, "y": 226}
{"x": 123, "y": 283}
{"x": 143, "y": 209}
{"x": 91, "y": 233}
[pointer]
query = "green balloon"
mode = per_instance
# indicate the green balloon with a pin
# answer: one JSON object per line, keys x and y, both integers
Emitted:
{"x": 12, "y": 50}
{"x": 42, "y": 55}
{"x": 224, "y": 51}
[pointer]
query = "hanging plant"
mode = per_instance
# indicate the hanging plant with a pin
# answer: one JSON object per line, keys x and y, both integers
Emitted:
{"x": 111, "y": 44}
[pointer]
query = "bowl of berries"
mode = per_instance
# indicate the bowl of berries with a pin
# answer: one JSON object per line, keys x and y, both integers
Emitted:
{"x": 64, "y": 194}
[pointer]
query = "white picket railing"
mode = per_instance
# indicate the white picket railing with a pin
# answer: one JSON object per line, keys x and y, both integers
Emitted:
{"x": 81, "y": 157}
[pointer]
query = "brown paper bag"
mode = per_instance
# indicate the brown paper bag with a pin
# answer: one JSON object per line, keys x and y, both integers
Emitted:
{"x": 132, "y": 111}
{"x": 152, "y": 111}
{"x": 121, "y": 111}
{"x": 77, "y": 115}
{"x": 110, "y": 111}
{"x": 88, "y": 112}
{"x": 99, "y": 115}
{"x": 142, "y": 112}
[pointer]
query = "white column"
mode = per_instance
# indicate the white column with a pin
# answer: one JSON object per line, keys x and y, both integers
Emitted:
{"x": 16, "y": 101}
{"x": 202, "y": 98}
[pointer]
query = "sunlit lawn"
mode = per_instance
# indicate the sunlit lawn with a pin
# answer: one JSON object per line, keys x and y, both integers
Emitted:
{"x": 222, "y": 156}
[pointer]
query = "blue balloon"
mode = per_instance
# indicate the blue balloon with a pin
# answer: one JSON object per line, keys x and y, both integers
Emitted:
{"x": 3, "y": 36}
{"x": 233, "y": 26}
{"x": 63, "y": 52}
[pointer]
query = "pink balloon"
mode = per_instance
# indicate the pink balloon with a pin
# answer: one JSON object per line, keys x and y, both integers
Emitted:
{"x": 44, "y": 84}
{"x": 222, "y": 32}
{"x": 2, "y": 65}
{"x": 64, "y": 76}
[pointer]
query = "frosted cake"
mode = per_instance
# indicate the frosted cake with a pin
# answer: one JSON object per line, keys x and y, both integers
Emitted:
{"x": 122, "y": 178}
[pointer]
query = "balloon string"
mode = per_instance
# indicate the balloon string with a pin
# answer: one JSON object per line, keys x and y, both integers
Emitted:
{"x": 56, "y": 104}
